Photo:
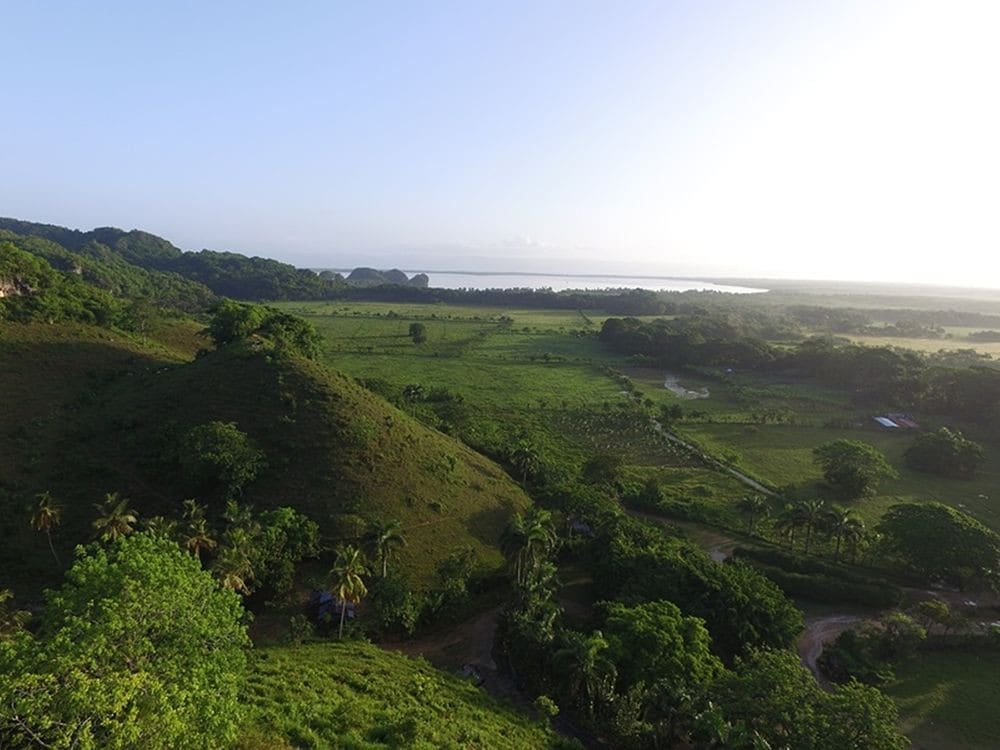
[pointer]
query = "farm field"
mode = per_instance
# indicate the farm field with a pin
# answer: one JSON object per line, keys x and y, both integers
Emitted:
{"x": 949, "y": 700}
{"x": 545, "y": 374}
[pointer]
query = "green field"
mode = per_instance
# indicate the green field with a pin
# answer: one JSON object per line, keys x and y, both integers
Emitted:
{"x": 949, "y": 700}
{"x": 354, "y": 695}
{"x": 545, "y": 374}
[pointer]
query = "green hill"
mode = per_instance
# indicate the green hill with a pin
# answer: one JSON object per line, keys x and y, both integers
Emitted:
{"x": 354, "y": 695}
{"x": 187, "y": 275}
{"x": 96, "y": 412}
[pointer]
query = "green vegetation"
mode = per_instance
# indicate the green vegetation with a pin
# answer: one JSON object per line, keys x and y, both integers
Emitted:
{"x": 376, "y": 451}
{"x": 945, "y": 452}
{"x": 354, "y": 695}
{"x": 139, "y": 648}
{"x": 852, "y": 468}
{"x": 948, "y": 700}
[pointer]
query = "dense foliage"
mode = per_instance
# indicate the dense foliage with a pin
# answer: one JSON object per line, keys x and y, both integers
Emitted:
{"x": 946, "y": 453}
{"x": 852, "y": 468}
{"x": 234, "y": 322}
{"x": 940, "y": 542}
{"x": 139, "y": 648}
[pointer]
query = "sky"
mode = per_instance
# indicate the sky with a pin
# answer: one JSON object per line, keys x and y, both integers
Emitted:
{"x": 778, "y": 138}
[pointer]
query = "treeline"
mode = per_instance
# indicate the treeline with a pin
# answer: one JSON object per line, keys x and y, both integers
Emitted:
{"x": 881, "y": 375}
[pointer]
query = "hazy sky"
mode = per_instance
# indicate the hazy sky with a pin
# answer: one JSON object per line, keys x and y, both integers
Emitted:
{"x": 805, "y": 139}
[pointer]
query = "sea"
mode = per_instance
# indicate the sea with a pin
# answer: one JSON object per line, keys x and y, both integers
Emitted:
{"x": 561, "y": 282}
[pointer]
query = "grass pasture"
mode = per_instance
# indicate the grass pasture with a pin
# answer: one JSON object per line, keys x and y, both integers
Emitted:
{"x": 355, "y": 696}
{"x": 949, "y": 700}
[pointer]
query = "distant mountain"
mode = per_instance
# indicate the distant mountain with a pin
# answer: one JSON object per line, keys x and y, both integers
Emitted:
{"x": 371, "y": 277}
{"x": 224, "y": 273}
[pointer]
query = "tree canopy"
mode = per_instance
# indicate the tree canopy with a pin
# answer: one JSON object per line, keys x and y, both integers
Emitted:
{"x": 852, "y": 467}
{"x": 940, "y": 542}
{"x": 139, "y": 648}
{"x": 946, "y": 453}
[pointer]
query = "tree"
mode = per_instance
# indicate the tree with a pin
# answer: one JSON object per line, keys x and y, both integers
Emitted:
{"x": 116, "y": 518}
{"x": 946, "y": 453}
{"x": 197, "y": 537}
{"x": 527, "y": 540}
{"x": 756, "y": 507}
{"x": 773, "y": 699}
{"x": 418, "y": 332}
{"x": 46, "y": 517}
{"x": 853, "y": 468}
{"x": 844, "y": 523}
{"x": 812, "y": 514}
{"x": 588, "y": 673}
{"x": 935, "y": 612}
{"x": 788, "y": 522}
{"x": 939, "y": 541}
{"x": 524, "y": 458}
{"x": 139, "y": 648}
{"x": 221, "y": 458}
{"x": 234, "y": 569}
{"x": 346, "y": 580}
{"x": 382, "y": 541}
{"x": 655, "y": 644}
{"x": 12, "y": 621}
{"x": 234, "y": 321}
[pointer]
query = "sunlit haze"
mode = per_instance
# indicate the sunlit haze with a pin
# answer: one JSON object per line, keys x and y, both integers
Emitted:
{"x": 839, "y": 140}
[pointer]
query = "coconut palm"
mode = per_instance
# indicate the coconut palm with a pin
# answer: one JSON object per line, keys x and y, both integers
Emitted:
{"x": 789, "y": 521}
{"x": 589, "y": 673}
{"x": 161, "y": 526}
{"x": 524, "y": 459}
{"x": 346, "y": 579}
{"x": 756, "y": 507}
{"x": 527, "y": 541}
{"x": 234, "y": 569}
{"x": 844, "y": 523}
{"x": 46, "y": 517}
{"x": 382, "y": 541}
{"x": 197, "y": 535}
{"x": 813, "y": 514}
{"x": 117, "y": 519}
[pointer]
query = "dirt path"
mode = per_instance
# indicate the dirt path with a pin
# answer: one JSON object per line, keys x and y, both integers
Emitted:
{"x": 673, "y": 384}
{"x": 748, "y": 481}
{"x": 818, "y": 632}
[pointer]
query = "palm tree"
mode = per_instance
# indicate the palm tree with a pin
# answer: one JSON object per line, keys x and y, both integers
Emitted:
{"x": 382, "y": 541}
{"x": 524, "y": 459}
{"x": 117, "y": 520}
{"x": 161, "y": 526}
{"x": 844, "y": 523}
{"x": 46, "y": 517}
{"x": 513, "y": 542}
{"x": 540, "y": 535}
{"x": 589, "y": 673}
{"x": 234, "y": 569}
{"x": 527, "y": 541}
{"x": 788, "y": 522}
{"x": 812, "y": 513}
{"x": 197, "y": 536}
{"x": 755, "y": 506}
{"x": 346, "y": 581}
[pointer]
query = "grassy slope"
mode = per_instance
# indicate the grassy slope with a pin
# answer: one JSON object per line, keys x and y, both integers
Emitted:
{"x": 333, "y": 447}
{"x": 353, "y": 695}
{"x": 49, "y": 373}
{"x": 948, "y": 701}
{"x": 86, "y": 411}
